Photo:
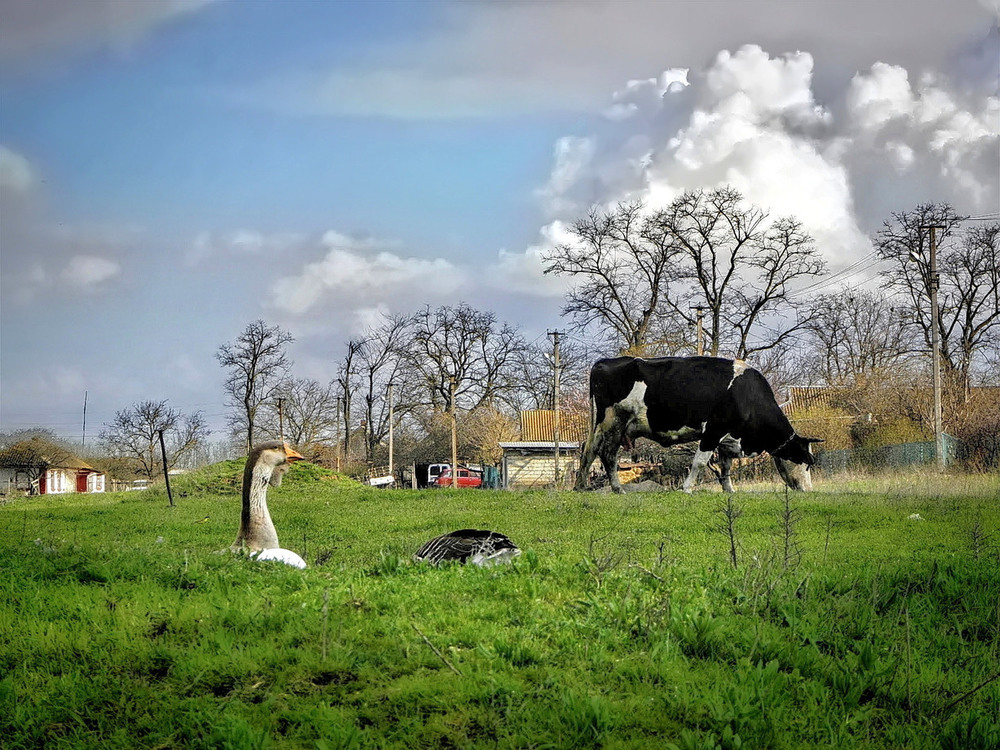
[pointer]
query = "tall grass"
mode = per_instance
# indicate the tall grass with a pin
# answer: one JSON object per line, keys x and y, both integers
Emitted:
{"x": 624, "y": 624}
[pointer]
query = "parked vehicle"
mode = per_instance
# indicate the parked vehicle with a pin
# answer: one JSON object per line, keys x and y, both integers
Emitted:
{"x": 466, "y": 478}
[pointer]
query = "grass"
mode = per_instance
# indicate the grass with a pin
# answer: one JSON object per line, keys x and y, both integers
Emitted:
{"x": 623, "y": 625}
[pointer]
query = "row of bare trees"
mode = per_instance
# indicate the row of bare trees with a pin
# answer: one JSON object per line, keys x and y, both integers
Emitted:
{"x": 639, "y": 277}
{"x": 433, "y": 363}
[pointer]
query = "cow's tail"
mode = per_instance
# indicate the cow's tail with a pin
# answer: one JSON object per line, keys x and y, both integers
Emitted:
{"x": 593, "y": 413}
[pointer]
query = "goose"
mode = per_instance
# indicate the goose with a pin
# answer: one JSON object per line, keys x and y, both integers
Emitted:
{"x": 266, "y": 465}
{"x": 478, "y": 546}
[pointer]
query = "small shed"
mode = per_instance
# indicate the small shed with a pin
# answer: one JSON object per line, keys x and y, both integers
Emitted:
{"x": 532, "y": 464}
{"x": 37, "y": 467}
{"x": 531, "y": 461}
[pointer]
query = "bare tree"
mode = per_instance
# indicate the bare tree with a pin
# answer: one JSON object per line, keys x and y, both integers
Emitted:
{"x": 257, "y": 364}
{"x": 641, "y": 276}
{"x": 968, "y": 300}
{"x": 347, "y": 383}
{"x": 854, "y": 336}
{"x": 309, "y": 411}
{"x": 381, "y": 360}
{"x": 134, "y": 434}
{"x": 739, "y": 266}
{"x": 470, "y": 347}
{"x": 622, "y": 266}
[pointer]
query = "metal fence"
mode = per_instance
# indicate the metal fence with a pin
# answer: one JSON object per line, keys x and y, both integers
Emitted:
{"x": 887, "y": 456}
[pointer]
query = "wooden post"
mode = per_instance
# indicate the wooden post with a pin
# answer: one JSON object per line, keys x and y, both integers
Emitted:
{"x": 166, "y": 474}
{"x": 454, "y": 437}
{"x": 700, "y": 311}
{"x": 390, "y": 431}
{"x": 936, "y": 353}
{"x": 555, "y": 404}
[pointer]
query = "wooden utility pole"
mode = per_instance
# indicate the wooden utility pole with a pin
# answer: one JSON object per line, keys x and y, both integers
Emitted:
{"x": 556, "y": 367}
{"x": 933, "y": 283}
{"x": 281, "y": 420}
{"x": 454, "y": 436}
{"x": 700, "y": 312}
{"x": 390, "y": 429}
{"x": 166, "y": 474}
{"x": 83, "y": 444}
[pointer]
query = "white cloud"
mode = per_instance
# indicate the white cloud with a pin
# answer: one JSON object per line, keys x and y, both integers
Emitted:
{"x": 241, "y": 243}
{"x": 525, "y": 271}
{"x": 16, "y": 173}
{"x": 939, "y": 144}
{"x": 88, "y": 271}
{"x": 354, "y": 275}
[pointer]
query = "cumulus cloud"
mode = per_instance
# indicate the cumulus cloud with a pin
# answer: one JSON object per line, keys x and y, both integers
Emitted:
{"x": 360, "y": 275}
{"x": 35, "y": 29}
{"x": 525, "y": 271}
{"x": 89, "y": 271}
{"x": 16, "y": 174}
{"x": 751, "y": 120}
{"x": 41, "y": 258}
{"x": 912, "y": 142}
{"x": 241, "y": 243}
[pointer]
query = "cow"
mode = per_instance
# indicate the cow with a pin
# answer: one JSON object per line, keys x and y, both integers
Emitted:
{"x": 723, "y": 404}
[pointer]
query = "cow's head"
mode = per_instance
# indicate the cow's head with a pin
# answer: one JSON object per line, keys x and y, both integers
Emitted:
{"x": 793, "y": 461}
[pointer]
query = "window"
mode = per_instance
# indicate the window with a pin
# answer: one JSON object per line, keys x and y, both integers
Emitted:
{"x": 55, "y": 481}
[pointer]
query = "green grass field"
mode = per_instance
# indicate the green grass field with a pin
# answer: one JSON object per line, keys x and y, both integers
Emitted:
{"x": 623, "y": 625}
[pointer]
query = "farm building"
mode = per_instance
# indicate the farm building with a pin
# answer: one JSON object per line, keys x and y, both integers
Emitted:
{"x": 37, "y": 467}
{"x": 530, "y": 462}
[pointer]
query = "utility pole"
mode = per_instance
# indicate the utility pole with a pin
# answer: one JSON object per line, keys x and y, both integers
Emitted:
{"x": 84, "y": 443}
{"x": 933, "y": 282}
{"x": 556, "y": 367}
{"x": 281, "y": 419}
{"x": 390, "y": 429}
{"x": 700, "y": 312}
{"x": 337, "y": 436}
{"x": 454, "y": 436}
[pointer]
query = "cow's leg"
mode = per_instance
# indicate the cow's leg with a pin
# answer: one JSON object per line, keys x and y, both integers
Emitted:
{"x": 729, "y": 450}
{"x": 609, "y": 458}
{"x": 590, "y": 451}
{"x": 701, "y": 459}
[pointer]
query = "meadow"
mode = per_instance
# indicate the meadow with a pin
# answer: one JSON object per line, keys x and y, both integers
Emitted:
{"x": 647, "y": 620}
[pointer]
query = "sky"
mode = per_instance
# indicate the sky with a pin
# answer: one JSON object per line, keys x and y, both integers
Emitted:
{"x": 172, "y": 170}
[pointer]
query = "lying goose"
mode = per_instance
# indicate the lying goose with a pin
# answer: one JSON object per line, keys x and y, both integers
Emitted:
{"x": 267, "y": 464}
{"x": 477, "y": 546}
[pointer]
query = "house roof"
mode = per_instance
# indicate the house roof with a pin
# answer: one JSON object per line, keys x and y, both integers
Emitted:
{"x": 36, "y": 453}
{"x": 538, "y": 425}
{"x": 541, "y": 445}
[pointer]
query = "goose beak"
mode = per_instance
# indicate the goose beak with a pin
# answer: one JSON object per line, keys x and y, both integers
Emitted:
{"x": 293, "y": 455}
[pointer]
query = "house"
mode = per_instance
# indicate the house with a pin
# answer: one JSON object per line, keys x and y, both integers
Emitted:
{"x": 38, "y": 467}
{"x": 531, "y": 461}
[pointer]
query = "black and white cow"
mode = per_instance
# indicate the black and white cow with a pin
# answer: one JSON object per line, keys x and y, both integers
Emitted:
{"x": 722, "y": 403}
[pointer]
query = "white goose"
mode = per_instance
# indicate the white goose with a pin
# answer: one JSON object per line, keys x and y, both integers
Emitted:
{"x": 267, "y": 464}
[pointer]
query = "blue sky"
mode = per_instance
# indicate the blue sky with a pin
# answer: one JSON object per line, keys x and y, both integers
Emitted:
{"x": 171, "y": 170}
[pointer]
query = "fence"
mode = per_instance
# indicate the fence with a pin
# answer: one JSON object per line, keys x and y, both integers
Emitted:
{"x": 887, "y": 456}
